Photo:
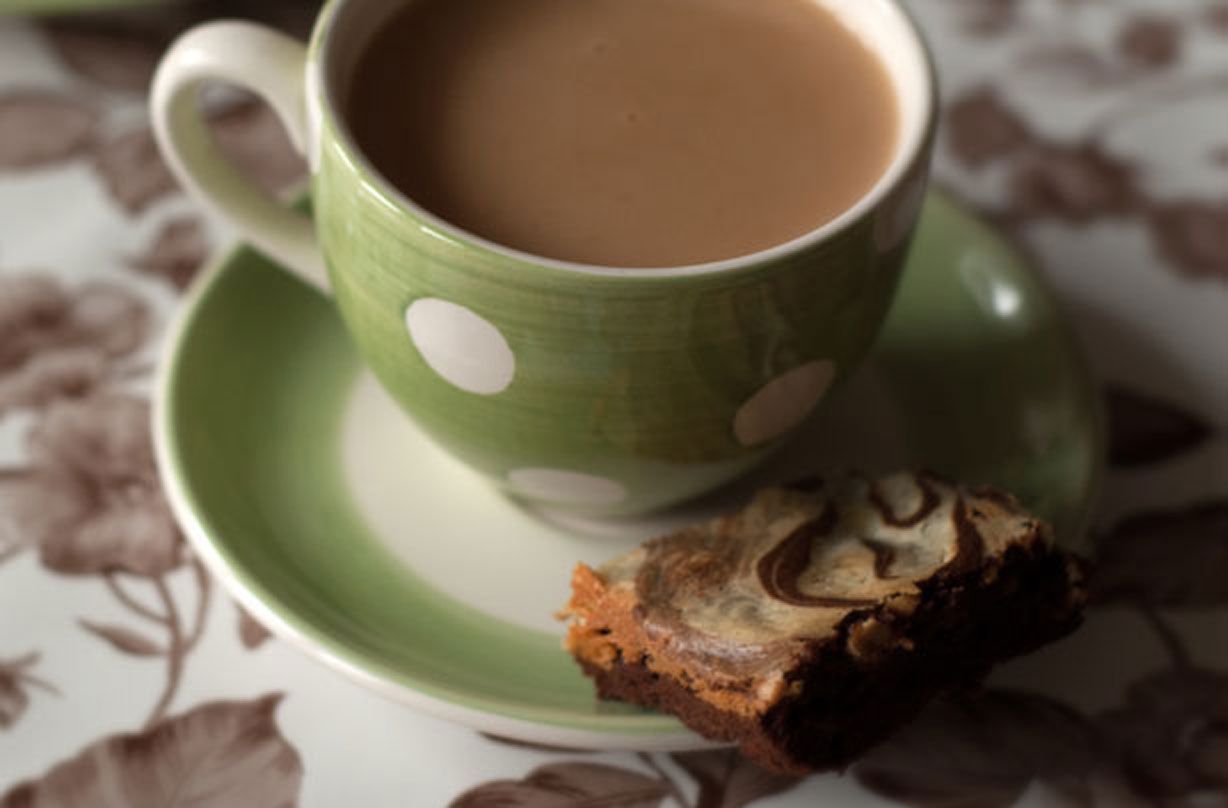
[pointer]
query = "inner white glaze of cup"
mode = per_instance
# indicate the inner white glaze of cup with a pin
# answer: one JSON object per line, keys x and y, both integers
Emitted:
{"x": 348, "y": 26}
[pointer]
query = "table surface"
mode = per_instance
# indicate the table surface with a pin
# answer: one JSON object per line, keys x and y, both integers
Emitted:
{"x": 1093, "y": 132}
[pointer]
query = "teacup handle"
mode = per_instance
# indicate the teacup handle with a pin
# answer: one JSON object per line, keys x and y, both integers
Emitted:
{"x": 273, "y": 66}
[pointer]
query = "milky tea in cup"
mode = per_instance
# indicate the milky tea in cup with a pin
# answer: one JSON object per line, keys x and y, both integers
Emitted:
{"x": 627, "y": 133}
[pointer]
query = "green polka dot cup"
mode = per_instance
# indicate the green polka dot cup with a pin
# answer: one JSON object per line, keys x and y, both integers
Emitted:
{"x": 588, "y": 388}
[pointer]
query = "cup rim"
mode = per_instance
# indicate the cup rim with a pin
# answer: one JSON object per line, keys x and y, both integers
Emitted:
{"x": 912, "y": 148}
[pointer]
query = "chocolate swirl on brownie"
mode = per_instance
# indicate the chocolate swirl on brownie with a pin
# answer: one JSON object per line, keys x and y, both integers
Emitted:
{"x": 780, "y": 570}
{"x": 796, "y": 562}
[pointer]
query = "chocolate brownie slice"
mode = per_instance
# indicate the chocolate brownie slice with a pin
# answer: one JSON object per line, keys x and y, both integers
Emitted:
{"x": 818, "y": 619}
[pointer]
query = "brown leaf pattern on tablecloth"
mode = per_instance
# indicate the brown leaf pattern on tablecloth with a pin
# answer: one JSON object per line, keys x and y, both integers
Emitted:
{"x": 1166, "y": 558}
{"x": 131, "y": 167}
{"x": 981, "y": 128}
{"x": 16, "y": 681}
{"x": 1172, "y": 734}
{"x": 991, "y": 18}
{"x": 251, "y": 135}
{"x": 569, "y": 785}
{"x": 1144, "y": 430}
{"x": 1076, "y": 65}
{"x": 1078, "y": 183}
{"x": 1151, "y": 40}
{"x": 1216, "y": 17}
{"x": 20, "y": 500}
{"x": 988, "y": 17}
{"x": 728, "y": 780}
{"x": 124, "y": 640}
{"x": 93, "y": 502}
{"x": 39, "y": 128}
{"x": 58, "y": 342}
{"x": 219, "y": 755}
{"x": 177, "y": 252}
{"x": 1083, "y": 181}
{"x": 13, "y": 698}
{"x": 1075, "y": 184}
{"x": 132, "y": 170}
{"x": 1193, "y": 236}
{"x": 251, "y": 633}
{"x": 984, "y": 752}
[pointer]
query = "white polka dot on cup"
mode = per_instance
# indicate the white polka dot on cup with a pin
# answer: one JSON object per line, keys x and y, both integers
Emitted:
{"x": 466, "y": 350}
{"x": 783, "y": 403}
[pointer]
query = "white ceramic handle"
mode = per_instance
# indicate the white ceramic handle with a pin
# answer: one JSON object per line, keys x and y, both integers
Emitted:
{"x": 271, "y": 65}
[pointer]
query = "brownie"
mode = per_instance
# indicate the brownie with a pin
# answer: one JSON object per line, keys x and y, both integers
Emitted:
{"x": 818, "y": 619}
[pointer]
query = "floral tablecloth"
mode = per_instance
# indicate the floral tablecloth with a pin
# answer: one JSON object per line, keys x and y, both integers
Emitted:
{"x": 1093, "y": 132}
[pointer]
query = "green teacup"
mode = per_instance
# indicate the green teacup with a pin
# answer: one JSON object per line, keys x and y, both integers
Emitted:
{"x": 596, "y": 389}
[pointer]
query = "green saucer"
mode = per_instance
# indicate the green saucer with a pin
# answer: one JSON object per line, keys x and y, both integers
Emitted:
{"x": 350, "y": 535}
